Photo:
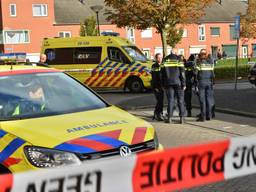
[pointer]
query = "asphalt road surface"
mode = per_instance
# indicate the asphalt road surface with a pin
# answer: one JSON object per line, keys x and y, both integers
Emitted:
{"x": 242, "y": 100}
{"x": 224, "y": 126}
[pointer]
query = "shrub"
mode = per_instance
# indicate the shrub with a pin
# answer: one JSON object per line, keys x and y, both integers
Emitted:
{"x": 225, "y": 69}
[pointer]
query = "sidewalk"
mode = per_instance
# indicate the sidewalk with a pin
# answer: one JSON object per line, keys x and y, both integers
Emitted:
{"x": 190, "y": 132}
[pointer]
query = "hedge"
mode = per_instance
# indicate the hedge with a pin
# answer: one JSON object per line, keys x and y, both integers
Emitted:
{"x": 225, "y": 69}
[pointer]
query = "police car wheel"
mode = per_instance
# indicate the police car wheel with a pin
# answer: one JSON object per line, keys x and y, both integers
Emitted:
{"x": 135, "y": 85}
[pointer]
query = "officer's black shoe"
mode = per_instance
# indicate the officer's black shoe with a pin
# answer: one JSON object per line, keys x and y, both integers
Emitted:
{"x": 167, "y": 120}
{"x": 189, "y": 114}
{"x": 208, "y": 119}
{"x": 159, "y": 117}
{"x": 200, "y": 119}
{"x": 182, "y": 120}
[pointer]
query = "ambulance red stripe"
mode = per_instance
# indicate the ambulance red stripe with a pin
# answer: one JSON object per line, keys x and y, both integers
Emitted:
{"x": 98, "y": 146}
{"x": 139, "y": 135}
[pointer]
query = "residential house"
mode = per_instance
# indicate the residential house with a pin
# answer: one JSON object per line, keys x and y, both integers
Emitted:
{"x": 24, "y": 24}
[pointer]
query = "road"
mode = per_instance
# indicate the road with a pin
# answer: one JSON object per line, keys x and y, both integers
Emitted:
{"x": 224, "y": 126}
{"x": 241, "y": 101}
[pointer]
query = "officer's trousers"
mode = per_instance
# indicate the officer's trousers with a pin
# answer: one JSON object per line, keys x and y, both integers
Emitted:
{"x": 188, "y": 97}
{"x": 159, "y": 95}
{"x": 171, "y": 92}
{"x": 206, "y": 100}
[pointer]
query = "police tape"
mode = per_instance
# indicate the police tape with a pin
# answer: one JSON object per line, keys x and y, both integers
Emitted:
{"x": 171, "y": 169}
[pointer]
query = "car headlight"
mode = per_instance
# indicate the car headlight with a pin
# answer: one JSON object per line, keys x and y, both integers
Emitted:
{"x": 46, "y": 158}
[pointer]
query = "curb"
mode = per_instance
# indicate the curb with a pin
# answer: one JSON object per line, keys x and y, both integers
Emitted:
{"x": 221, "y": 110}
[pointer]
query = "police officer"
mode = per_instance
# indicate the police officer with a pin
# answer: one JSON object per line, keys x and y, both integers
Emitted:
{"x": 157, "y": 88}
{"x": 190, "y": 76}
{"x": 173, "y": 80}
{"x": 204, "y": 81}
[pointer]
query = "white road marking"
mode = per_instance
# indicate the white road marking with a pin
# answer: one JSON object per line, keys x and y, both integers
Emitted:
{"x": 244, "y": 125}
{"x": 227, "y": 127}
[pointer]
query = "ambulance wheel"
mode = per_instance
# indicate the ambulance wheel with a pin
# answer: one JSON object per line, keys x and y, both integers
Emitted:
{"x": 4, "y": 170}
{"x": 135, "y": 85}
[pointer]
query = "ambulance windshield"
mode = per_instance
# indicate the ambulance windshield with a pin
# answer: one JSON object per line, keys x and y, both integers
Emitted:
{"x": 135, "y": 53}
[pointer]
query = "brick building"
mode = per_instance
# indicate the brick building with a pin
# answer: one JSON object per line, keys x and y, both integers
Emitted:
{"x": 24, "y": 24}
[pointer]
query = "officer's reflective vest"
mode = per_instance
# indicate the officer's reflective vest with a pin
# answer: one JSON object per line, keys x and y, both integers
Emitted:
{"x": 205, "y": 73}
{"x": 173, "y": 72}
{"x": 172, "y": 63}
{"x": 18, "y": 112}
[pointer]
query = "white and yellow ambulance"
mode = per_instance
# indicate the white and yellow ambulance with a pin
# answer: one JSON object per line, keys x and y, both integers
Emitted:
{"x": 100, "y": 61}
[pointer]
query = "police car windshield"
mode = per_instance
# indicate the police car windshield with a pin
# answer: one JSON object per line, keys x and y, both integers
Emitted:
{"x": 44, "y": 94}
{"x": 135, "y": 53}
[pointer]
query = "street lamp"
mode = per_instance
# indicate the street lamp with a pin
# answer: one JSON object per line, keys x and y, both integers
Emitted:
{"x": 96, "y": 9}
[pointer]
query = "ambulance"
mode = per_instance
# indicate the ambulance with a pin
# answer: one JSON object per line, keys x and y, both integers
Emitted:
{"x": 100, "y": 61}
{"x": 49, "y": 119}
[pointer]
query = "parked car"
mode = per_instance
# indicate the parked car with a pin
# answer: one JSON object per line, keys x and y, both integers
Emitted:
{"x": 252, "y": 75}
{"x": 49, "y": 119}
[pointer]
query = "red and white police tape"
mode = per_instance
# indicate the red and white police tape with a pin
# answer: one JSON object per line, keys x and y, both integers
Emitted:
{"x": 171, "y": 169}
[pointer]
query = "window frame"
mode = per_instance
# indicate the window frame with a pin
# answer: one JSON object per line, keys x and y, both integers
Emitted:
{"x": 65, "y": 32}
{"x": 232, "y": 36}
{"x": 214, "y": 35}
{"x": 41, "y": 5}
{"x": 6, "y": 43}
{"x": 10, "y": 10}
{"x": 122, "y": 52}
{"x": 145, "y": 33}
{"x": 185, "y": 33}
{"x": 70, "y": 51}
{"x": 201, "y": 37}
{"x": 130, "y": 37}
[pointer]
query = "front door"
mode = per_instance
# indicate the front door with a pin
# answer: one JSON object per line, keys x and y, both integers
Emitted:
{"x": 245, "y": 51}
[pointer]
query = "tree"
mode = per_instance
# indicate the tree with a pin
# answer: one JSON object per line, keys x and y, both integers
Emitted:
{"x": 88, "y": 27}
{"x": 166, "y": 16}
{"x": 248, "y": 21}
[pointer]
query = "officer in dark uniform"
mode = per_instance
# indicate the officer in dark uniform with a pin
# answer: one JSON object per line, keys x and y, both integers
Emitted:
{"x": 204, "y": 81}
{"x": 190, "y": 77}
{"x": 173, "y": 80}
{"x": 157, "y": 88}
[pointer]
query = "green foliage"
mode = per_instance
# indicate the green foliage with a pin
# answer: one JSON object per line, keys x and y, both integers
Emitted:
{"x": 174, "y": 36}
{"x": 88, "y": 27}
{"x": 225, "y": 69}
{"x": 166, "y": 16}
{"x": 248, "y": 27}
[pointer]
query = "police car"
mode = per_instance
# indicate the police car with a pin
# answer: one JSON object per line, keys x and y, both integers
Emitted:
{"x": 48, "y": 119}
{"x": 252, "y": 75}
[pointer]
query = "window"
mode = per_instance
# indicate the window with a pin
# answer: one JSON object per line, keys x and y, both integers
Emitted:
{"x": 40, "y": 10}
{"x": 65, "y": 34}
{"x": 12, "y": 8}
{"x": 115, "y": 54}
{"x": 135, "y": 53}
{"x": 83, "y": 55}
{"x": 232, "y": 32}
{"x": 215, "y": 31}
{"x": 146, "y": 33}
{"x": 146, "y": 52}
{"x": 185, "y": 33}
{"x": 57, "y": 99}
{"x": 201, "y": 33}
{"x": 87, "y": 55}
{"x": 16, "y": 36}
{"x": 131, "y": 34}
